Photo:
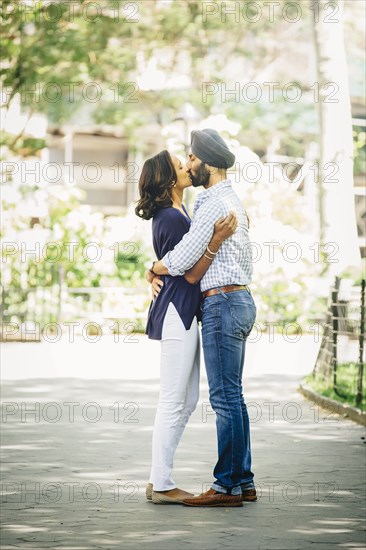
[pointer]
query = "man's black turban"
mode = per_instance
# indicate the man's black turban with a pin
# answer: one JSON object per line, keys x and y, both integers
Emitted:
{"x": 209, "y": 147}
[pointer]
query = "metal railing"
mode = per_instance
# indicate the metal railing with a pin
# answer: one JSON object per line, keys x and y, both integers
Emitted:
{"x": 340, "y": 360}
{"x": 57, "y": 303}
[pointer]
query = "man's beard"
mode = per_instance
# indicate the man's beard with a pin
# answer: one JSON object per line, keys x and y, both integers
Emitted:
{"x": 202, "y": 176}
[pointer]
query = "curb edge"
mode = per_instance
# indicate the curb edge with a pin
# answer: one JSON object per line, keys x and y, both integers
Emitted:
{"x": 352, "y": 412}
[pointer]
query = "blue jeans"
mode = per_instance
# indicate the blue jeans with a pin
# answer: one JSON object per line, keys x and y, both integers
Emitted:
{"x": 227, "y": 320}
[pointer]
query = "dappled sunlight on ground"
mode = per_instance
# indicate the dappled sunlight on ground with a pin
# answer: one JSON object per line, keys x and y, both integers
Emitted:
{"x": 76, "y": 458}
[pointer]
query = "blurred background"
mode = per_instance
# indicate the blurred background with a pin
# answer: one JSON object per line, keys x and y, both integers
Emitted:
{"x": 92, "y": 89}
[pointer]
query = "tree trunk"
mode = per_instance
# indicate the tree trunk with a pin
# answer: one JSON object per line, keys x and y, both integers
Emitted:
{"x": 337, "y": 216}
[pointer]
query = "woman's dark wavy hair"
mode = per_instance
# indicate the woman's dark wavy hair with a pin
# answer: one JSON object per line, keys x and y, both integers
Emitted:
{"x": 158, "y": 175}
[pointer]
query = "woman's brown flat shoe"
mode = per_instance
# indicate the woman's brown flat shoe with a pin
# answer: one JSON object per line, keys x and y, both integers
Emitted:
{"x": 149, "y": 491}
{"x": 161, "y": 498}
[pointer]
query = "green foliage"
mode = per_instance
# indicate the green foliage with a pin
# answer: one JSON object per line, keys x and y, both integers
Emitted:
{"x": 355, "y": 273}
{"x": 131, "y": 267}
{"x": 35, "y": 278}
{"x": 49, "y": 57}
{"x": 23, "y": 146}
{"x": 50, "y": 53}
{"x": 347, "y": 376}
{"x": 55, "y": 54}
{"x": 359, "y": 140}
{"x": 285, "y": 306}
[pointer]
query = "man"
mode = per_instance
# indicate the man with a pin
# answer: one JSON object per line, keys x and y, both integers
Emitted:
{"x": 228, "y": 314}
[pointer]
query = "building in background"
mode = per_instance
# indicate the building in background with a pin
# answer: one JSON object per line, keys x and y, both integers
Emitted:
{"x": 96, "y": 160}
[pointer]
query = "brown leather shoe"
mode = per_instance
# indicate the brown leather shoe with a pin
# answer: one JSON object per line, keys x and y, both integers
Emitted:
{"x": 213, "y": 498}
{"x": 249, "y": 495}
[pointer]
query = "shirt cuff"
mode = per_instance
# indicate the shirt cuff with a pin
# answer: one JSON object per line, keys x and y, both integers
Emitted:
{"x": 166, "y": 263}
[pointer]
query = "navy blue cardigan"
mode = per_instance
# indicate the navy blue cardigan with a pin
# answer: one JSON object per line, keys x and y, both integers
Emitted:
{"x": 169, "y": 226}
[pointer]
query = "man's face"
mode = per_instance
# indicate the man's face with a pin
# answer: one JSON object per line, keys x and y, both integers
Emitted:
{"x": 198, "y": 171}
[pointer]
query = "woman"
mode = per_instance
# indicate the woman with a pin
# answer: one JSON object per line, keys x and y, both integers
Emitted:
{"x": 173, "y": 315}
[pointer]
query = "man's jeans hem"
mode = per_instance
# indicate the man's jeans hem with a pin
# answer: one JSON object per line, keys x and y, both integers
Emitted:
{"x": 226, "y": 491}
{"x": 247, "y": 485}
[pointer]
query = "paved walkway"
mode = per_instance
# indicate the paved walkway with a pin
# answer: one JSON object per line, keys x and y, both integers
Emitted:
{"x": 74, "y": 469}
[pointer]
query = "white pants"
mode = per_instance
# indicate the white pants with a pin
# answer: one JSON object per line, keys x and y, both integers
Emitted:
{"x": 179, "y": 392}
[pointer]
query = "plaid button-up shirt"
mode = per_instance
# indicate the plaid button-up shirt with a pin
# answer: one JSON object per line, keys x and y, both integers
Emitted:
{"x": 233, "y": 263}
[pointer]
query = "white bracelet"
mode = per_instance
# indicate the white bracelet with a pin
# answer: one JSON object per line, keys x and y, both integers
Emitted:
{"x": 210, "y": 252}
{"x": 205, "y": 255}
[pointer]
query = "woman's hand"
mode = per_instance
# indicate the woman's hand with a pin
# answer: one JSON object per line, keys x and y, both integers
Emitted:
{"x": 156, "y": 286}
{"x": 149, "y": 276}
{"x": 225, "y": 227}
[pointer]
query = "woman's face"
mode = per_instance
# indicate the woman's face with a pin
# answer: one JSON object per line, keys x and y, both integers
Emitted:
{"x": 183, "y": 177}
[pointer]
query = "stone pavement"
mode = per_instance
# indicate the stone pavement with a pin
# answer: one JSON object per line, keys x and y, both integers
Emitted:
{"x": 74, "y": 470}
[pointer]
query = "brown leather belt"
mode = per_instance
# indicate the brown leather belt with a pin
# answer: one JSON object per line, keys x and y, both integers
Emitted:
{"x": 229, "y": 288}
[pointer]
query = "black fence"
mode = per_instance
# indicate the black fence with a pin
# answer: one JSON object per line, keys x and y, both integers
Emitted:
{"x": 22, "y": 309}
{"x": 340, "y": 363}
{"x": 41, "y": 302}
